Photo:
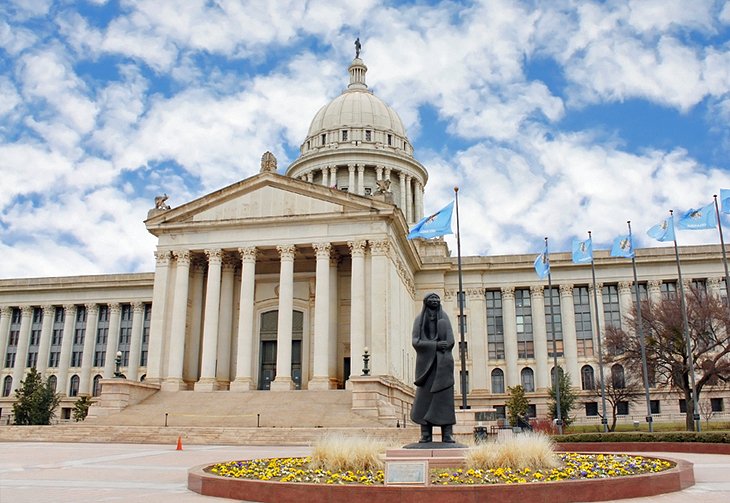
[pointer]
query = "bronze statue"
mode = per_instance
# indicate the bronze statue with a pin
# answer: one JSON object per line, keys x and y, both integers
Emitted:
{"x": 433, "y": 340}
{"x": 357, "y": 47}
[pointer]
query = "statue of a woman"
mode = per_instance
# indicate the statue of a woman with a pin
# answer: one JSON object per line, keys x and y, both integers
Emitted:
{"x": 433, "y": 340}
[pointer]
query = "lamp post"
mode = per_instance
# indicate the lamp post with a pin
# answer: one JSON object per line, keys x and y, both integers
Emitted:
{"x": 118, "y": 363}
{"x": 365, "y": 361}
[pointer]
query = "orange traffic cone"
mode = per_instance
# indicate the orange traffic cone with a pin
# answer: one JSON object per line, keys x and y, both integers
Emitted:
{"x": 179, "y": 443}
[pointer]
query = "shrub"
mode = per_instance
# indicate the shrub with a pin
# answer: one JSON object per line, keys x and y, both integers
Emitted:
{"x": 339, "y": 453}
{"x": 527, "y": 450}
{"x": 712, "y": 437}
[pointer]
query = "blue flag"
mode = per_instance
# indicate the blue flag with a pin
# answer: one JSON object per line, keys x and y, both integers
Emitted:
{"x": 582, "y": 251}
{"x": 622, "y": 247}
{"x": 663, "y": 231}
{"x": 435, "y": 225}
{"x": 725, "y": 200}
{"x": 702, "y": 218}
{"x": 542, "y": 264}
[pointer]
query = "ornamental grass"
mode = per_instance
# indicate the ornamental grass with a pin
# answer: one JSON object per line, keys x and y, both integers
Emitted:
{"x": 527, "y": 450}
{"x": 340, "y": 453}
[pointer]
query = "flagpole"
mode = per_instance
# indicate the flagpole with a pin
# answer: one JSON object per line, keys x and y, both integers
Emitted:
{"x": 556, "y": 376}
{"x": 640, "y": 328}
{"x": 690, "y": 359}
{"x": 460, "y": 297}
{"x": 604, "y": 418}
{"x": 722, "y": 244}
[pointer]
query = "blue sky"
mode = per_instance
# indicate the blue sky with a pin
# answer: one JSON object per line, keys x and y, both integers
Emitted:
{"x": 555, "y": 117}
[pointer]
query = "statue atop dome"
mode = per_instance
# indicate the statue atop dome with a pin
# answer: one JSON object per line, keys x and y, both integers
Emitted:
{"x": 358, "y": 46}
{"x": 268, "y": 163}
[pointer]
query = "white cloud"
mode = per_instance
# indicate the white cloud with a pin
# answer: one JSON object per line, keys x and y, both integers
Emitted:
{"x": 9, "y": 97}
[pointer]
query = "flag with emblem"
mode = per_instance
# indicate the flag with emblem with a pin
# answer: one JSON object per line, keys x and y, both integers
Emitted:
{"x": 582, "y": 251}
{"x": 725, "y": 200}
{"x": 542, "y": 264}
{"x": 434, "y": 225}
{"x": 663, "y": 231}
{"x": 702, "y": 218}
{"x": 622, "y": 247}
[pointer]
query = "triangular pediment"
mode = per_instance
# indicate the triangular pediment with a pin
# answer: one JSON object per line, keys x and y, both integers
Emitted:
{"x": 266, "y": 196}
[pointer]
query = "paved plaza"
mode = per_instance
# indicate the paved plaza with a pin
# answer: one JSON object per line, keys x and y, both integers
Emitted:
{"x": 86, "y": 473}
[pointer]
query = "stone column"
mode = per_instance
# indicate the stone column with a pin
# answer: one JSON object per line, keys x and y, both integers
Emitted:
{"x": 378, "y": 172}
{"x": 321, "y": 337}
{"x": 87, "y": 359}
{"x": 225, "y": 325}
{"x": 158, "y": 330}
{"x": 191, "y": 365}
{"x": 283, "y": 380}
{"x": 310, "y": 177}
{"x": 334, "y": 314}
{"x": 512, "y": 376}
{"x": 361, "y": 179}
{"x": 357, "y": 305}
{"x": 409, "y": 199}
{"x": 112, "y": 339}
{"x": 539, "y": 337}
{"x": 69, "y": 328}
{"x": 402, "y": 203}
{"x": 135, "y": 343}
{"x": 244, "y": 363}
{"x": 570, "y": 342}
{"x": 477, "y": 330}
{"x": 207, "y": 380}
{"x": 714, "y": 286}
{"x": 351, "y": 179}
{"x": 387, "y": 173}
{"x": 174, "y": 379}
{"x": 21, "y": 354}
{"x": 379, "y": 308}
{"x": 6, "y": 312}
{"x": 46, "y": 332}
{"x": 654, "y": 290}
{"x": 333, "y": 177}
{"x": 625, "y": 300}
{"x": 599, "y": 315}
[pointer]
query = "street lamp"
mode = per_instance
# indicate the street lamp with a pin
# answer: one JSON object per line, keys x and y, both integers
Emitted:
{"x": 118, "y": 363}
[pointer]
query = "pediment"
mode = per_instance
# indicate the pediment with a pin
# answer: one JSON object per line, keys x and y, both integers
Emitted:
{"x": 267, "y": 196}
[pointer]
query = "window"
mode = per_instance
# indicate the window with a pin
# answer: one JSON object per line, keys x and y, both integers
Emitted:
{"x": 587, "y": 379}
{"x": 700, "y": 285}
{"x": 500, "y": 411}
{"x": 716, "y": 404}
{"x": 552, "y": 374}
{"x": 643, "y": 292}
{"x": 611, "y": 309}
{"x": 53, "y": 382}
{"x": 73, "y": 389}
{"x": 552, "y": 304}
{"x": 344, "y": 135}
{"x": 495, "y": 328}
{"x": 35, "y": 337}
{"x": 7, "y": 385}
{"x": 145, "y": 334}
{"x": 13, "y": 336}
{"x": 655, "y": 407}
{"x": 368, "y": 135}
{"x": 77, "y": 349}
{"x": 527, "y": 377}
{"x": 54, "y": 355}
{"x": 622, "y": 408}
{"x": 323, "y": 138}
{"x": 531, "y": 410}
{"x": 591, "y": 408}
{"x": 497, "y": 381}
{"x": 682, "y": 406}
{"x": 617, "y": 376}
{"x": 523, "y": 322}
{"x": 390, "y": 140}
{"x": 458, "y": 323}
{"x": 668, "y": 289}
{"x": 583, "y": 326}
{"x": 125, "y": 333}
{"x": 102, "y": 336}
{"x": 96, "y": 391}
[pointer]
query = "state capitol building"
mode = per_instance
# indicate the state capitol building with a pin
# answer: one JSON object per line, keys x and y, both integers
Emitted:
{"x": 284, "y": 280}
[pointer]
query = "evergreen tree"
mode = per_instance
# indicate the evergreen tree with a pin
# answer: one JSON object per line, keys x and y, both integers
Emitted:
{"x": 517, "y": 405}
{"x": 35, "y": 400}
{"x": 567, "y": 399}
{"x": 81, "y": 407}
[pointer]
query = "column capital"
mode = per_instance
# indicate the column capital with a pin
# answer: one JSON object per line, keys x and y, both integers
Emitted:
{"x": 654, "y": 284}
{"x": 286, "y": 252}
{"x": 380, "y": 247}
{"x": 625, "y": 287}
{"x": 228, "y": 263}
{"x": 714, "y": 282}
{"x": 378, "y": 172}
{"x": 599, "y": 286}
{"x": 26, "y": 310}
{"x": 138, "y": 307}
{"x": 182, "y": 257}
{"x": 48, "y": 310}
{"x": 69, "y": 309}
{"x": 566, "y": 290}
{"x": 322, "y": 250}
{"x": 402, "y": 176}
{"x": 162, "y": 258}
{"x": 357, "y": 248}
{"x": 360, "y": 168}
{"x": 387, "y": 172}
{"x": 474, "y": 293}
{"x": 536, "y": 291}
{"x": 248, "y": 254}
{"x": 508, "y": 292}
{"x": 91, "y": 308}
{"x": 214, "y": 256}
{"x": 409, "y": 178}
{"x": 351, "y": 168}
{"x": 6, "y": 311}
{"x": 115, "y": 307}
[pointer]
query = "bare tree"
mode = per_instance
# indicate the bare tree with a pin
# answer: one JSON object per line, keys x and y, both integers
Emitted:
{"x": 666, "y": 352}
{"x": 617, "y": 391}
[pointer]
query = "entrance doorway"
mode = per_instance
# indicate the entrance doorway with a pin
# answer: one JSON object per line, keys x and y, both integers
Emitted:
{"x": 267, "y": 350}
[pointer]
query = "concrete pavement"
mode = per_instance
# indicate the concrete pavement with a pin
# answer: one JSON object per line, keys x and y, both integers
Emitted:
{"x": 86, "y": 473}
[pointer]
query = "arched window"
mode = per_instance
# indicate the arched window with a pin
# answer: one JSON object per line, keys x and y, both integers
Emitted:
{"x": 96, "y": 391}
{"x": 587, "y": 379}
{"x": 552, "y": 374}
{"x": 7, "y": 385}
{"x": 497, "y": 381}
{"x": 527, "y": 376}
{"x": 144, "y": 376}
{"x": 73, "y": 389}
{"x": 617, "y": 376}
{"x": 52, "y": 382}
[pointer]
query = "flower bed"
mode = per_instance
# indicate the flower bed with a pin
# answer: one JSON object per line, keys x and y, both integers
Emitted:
{"x": 574, "y": 467}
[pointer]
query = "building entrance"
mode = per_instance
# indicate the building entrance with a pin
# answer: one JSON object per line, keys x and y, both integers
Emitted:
{"x": 267, "y": 351}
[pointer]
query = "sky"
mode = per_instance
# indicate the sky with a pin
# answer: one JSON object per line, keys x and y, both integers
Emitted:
{"x": 553, "y": 117}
